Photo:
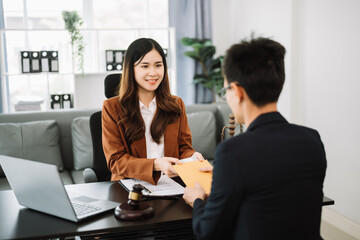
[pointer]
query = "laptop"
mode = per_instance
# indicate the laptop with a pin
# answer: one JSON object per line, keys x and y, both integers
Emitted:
{"x": 39, "y": 186}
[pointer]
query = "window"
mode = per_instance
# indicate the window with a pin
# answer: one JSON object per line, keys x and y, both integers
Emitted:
{"x": 41, "y": 14}
{"x": 35, "y": 25}
{"x": 131, "y": 14}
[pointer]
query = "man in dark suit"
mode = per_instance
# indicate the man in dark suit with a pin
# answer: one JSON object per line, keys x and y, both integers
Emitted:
{"x": 267, "y": 183}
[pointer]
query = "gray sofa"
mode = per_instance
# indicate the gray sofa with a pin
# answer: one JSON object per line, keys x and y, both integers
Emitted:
{"x": 62, "y": 137}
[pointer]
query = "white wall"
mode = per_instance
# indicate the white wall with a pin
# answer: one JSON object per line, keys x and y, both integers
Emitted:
{"x": 322, "y": 38}
{"x": 330, "y": 70}
{"x": 243, "y": 17}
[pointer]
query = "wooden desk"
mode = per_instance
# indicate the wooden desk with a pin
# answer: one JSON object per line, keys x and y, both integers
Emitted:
{"x": 172, "y": 219}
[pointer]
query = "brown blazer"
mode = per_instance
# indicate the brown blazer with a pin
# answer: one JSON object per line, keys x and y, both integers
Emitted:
{"x": 129, "y": 161}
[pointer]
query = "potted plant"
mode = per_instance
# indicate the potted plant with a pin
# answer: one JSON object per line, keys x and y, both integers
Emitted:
{"x": 211, "y": 76}
{"x": 73, "y": 23}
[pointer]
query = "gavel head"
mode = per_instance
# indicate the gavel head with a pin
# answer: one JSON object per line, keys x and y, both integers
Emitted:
{"x": 134, "y": 209}
{"x": 135, "y": 195}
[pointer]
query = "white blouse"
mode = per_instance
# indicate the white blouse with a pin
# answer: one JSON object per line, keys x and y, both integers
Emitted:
{"x": 153, "y": 150}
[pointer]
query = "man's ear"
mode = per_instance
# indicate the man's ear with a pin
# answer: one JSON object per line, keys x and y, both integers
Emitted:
{"x": 238, "y": 91}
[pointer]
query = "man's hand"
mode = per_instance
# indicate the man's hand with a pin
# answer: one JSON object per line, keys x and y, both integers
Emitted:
{"x": 165, "y": 165}
{"x": 191, "y": 194}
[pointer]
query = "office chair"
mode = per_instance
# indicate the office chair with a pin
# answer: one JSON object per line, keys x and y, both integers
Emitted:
{"x": 99, "y": 172}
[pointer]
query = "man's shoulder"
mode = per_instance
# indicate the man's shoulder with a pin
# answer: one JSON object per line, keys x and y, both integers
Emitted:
{"x": 232, "y": 145}
{"x": 305, "y": 130}
{"x": 249, "y": 141}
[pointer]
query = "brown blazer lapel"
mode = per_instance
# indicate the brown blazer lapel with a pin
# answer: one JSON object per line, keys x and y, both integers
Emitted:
{"x": 171, "y": 139}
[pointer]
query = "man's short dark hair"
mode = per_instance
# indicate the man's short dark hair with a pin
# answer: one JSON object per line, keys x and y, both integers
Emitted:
{"x": 258, "y": 66}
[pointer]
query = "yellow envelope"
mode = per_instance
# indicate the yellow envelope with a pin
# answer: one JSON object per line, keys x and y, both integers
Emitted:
{"x": 190, "y": 174}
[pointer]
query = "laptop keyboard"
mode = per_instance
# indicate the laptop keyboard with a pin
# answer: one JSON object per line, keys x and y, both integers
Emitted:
{"x": 82, "y": 209}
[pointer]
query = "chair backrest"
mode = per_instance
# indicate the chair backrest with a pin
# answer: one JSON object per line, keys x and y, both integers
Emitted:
{"x": 99, "y": 160}
{"x": 111, "y": 84}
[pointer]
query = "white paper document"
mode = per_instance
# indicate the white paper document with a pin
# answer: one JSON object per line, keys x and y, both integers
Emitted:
{"x": 165, "y": 186}
{"x": 189, "y": 159}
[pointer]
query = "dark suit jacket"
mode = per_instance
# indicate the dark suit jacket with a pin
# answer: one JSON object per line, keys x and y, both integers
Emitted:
{"x": 129, "y": 160}
{"x": 267, "y": 184}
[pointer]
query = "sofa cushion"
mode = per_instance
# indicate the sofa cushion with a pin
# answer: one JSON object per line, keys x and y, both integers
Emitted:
{"x": 82, "y": 144}
{"x": 203, "y": 131}
{"x": 37, "y": 141}
{"x": 66, "y": 177}
{"x": 77, "y": 176}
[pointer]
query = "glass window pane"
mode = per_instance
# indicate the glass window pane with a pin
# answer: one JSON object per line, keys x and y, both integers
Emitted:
{"x": 15, "y": 42}
{"x": 32, "y": 91}
{"x": 158, "y": 16}
{"x": 27, "y": 92}
{"x": 53, "y": 41}
{"x": 46, "y": 5}
{"x": 130, "y": 14}
{"x": 14, "y": 20}
{"x": 117, "y": 23}
{"x": 38, "y": 41}
{"x": 61, "y": 83}
{"x": 13, "y": 5}
{"x": 45, "y": 20}
{"x": 42, "y": 14}
{"x": 114, "y": 40}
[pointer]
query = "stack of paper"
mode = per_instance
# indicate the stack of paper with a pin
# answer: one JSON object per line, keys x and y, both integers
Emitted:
{"x": 165, "y": 186}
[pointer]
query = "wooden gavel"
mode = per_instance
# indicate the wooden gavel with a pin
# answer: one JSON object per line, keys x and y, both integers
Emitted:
{"x": 231, "y": 127}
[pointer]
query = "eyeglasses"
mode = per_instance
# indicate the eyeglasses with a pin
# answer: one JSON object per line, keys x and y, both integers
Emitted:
{"x": 222, "y": 92}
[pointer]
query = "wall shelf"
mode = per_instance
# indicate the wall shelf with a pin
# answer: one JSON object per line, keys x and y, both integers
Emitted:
{"x": 96, "y": 41}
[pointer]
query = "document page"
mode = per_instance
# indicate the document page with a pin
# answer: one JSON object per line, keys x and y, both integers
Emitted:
{"x": 189, "y": 159}
{"x": 190, "y": 174}
{"x": 165, "y": 186}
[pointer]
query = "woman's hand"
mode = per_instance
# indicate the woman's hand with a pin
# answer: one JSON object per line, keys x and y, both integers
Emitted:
{"x": 197, "y": 156}
{"x": 165, "y": 165}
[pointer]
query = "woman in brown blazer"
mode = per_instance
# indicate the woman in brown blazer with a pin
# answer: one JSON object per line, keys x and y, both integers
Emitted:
{"x": 145, "y": 129}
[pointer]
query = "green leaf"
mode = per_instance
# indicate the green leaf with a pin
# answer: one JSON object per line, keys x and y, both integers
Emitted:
{"x": 203, "y": 52}
{"x": 218, "y": 86}
{"x": 200, "y": 80}
{"x": 207, "y": 42}
{"x": 186, "y": 41}
{"x": 208, "y": 85}
{"x": 216, "y": 73}
{"x": 73, "y": 22}
{"x": 193, "y": 55}
{"x": 215, "y": 64}
{"x": 207, "y": 53}
{"x": 199, "y": 76}
{"x": 197, "y": 46}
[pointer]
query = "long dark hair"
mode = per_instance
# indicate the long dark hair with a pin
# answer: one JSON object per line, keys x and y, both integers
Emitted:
{"x": 168, "y": 110}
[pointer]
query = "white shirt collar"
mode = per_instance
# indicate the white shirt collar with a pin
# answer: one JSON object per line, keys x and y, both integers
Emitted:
{"x": 152, "y": 105}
